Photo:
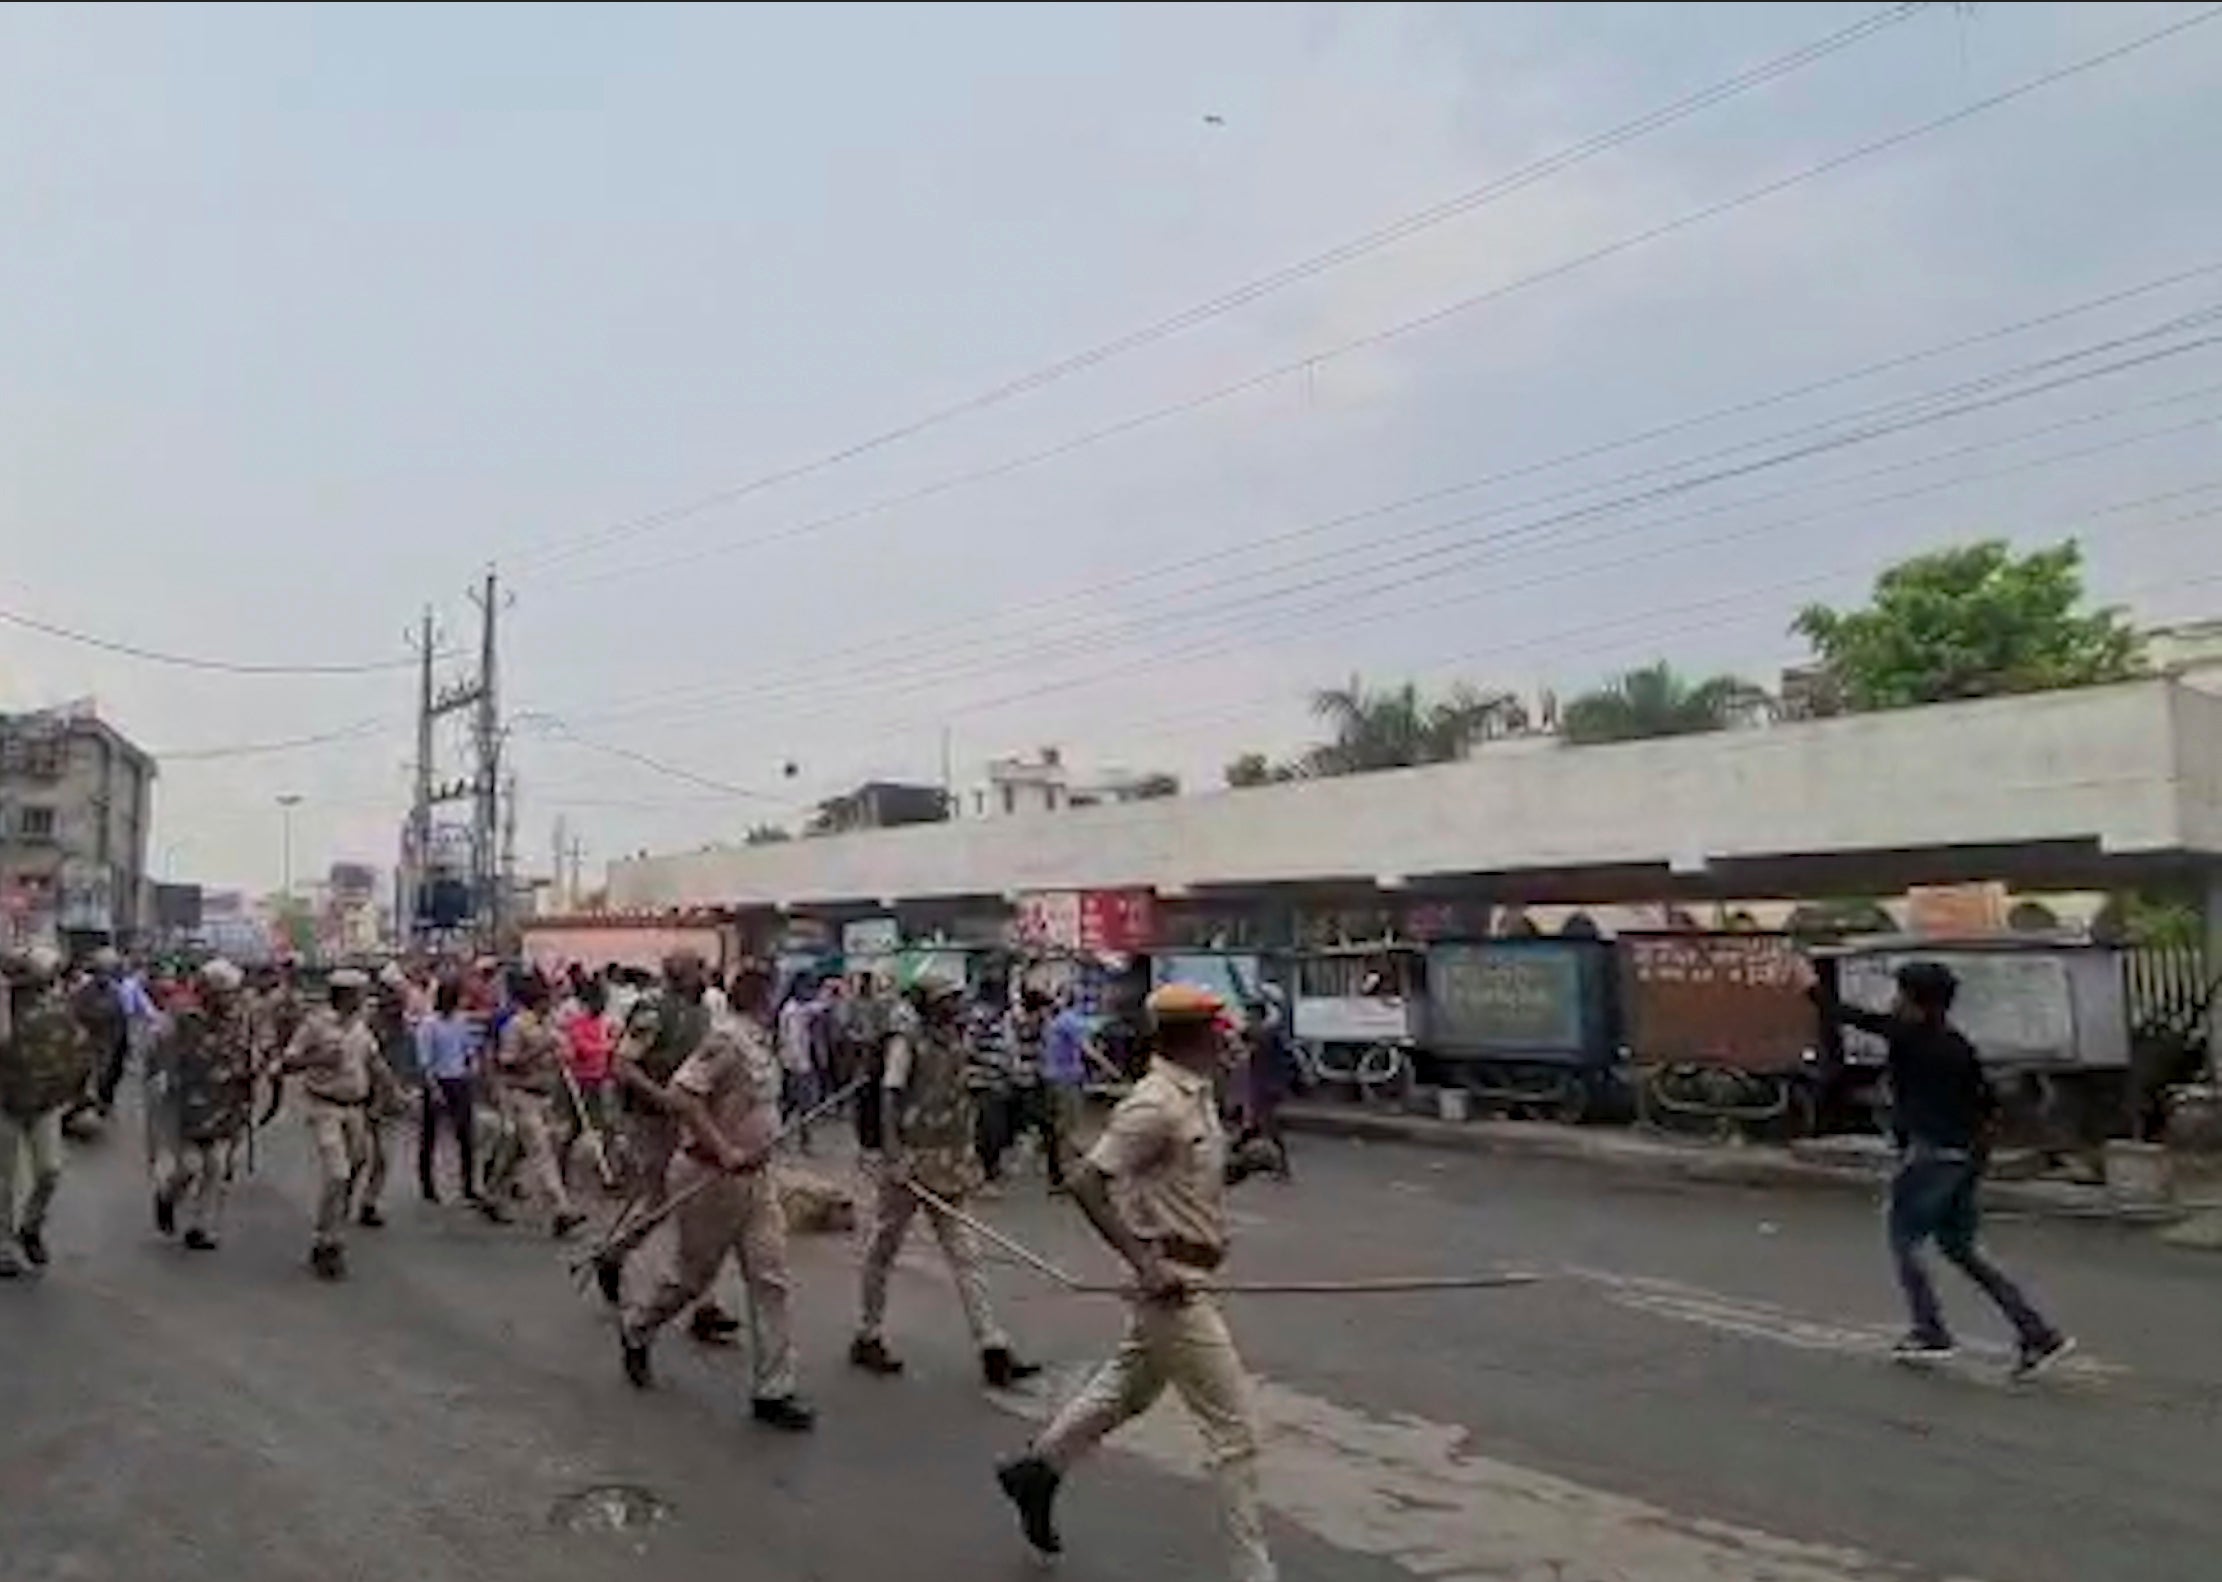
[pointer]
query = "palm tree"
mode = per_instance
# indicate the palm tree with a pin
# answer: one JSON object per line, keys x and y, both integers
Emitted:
{"x": 1657, "y": 700}
{"x": 1395, "y": 728}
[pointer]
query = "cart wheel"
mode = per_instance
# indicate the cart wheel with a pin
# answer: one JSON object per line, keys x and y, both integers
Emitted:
{"x": 1571, "y": 1107}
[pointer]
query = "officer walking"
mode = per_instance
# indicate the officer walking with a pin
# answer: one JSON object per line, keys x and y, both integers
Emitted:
{"x": 927, "y": 1123}
{"x": 725, "y": 1097}
{"x": 46, "y": 1059}
{"x": 662, "y": 1030}
{"x": 1154, "y": 1187}
{"x": 333, "y": 1051}
{"x": 206, "y": 1062}
{"x": 528, "y": 1074}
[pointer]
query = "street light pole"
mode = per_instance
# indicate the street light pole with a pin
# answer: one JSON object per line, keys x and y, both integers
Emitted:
{"x": 286, "y": 804}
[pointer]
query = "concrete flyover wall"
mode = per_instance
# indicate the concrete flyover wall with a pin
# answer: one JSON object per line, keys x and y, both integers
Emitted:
{"x": 2134, "y": 769}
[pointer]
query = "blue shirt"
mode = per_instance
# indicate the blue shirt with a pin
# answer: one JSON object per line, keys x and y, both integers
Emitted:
{"x": 445, "y": 1045}
{"x": 1064, "y": 1049}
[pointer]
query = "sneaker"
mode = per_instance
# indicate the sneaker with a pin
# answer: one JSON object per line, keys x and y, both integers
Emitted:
{"x": 1002, "y": 1369}
{"x": 1924, "y": 1348}
{"x": 609, "y": 1278}
{"x": 1030, "y": 1483}
{"x": 713, "y": 1326}
{"x": 870, "y": 1353}
{"x": 33, "y": 1242}
{"x": 198, "y": 1240}
{"x": 370, "y": 1218}
{"x": 565, "y": 1224}
{"x": 783, "y": 1412}
{"x": 165, "y": 1213}
{"x": 2033, "y": 1357}
{"x": 634, "y": 1353}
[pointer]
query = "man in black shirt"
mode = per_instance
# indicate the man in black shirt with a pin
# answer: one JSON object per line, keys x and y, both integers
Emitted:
{"x": 1942, "y": 1114}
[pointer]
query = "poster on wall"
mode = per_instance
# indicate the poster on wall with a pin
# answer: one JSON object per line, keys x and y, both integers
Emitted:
{"x": 1047, "y": 920}
{"x": 1117, "y": 922}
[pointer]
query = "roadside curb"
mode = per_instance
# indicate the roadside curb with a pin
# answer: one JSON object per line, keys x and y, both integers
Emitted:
{"x": 1746, "y": 1165}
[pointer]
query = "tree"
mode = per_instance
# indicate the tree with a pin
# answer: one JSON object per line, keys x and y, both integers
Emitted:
{"x": 766, "y": 835}
{"x": 1657, "y": 700}
{"x": 1971, "y": 622}
{"x": 1396, "y": 727}
{"x": 1250, "y": 769}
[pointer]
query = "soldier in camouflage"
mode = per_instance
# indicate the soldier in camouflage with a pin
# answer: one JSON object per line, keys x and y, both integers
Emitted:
{"x": 206, "y": 1063}
{"x": 46, "y": 1060}
{"x": 928, "y": 1126}
{"x": 663, "y": 1030}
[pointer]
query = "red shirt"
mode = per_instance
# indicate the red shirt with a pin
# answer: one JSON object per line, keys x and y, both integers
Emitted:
{"x": 591, "y": 1046}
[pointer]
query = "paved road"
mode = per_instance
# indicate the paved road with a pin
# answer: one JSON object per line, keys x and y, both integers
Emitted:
{"x": 1697, "y": 1395}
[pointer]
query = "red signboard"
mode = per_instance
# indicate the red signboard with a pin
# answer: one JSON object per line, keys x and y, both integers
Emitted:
{"x": 1117, "y": 922}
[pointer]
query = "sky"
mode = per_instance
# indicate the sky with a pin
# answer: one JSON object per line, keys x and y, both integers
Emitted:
{"x": 311, "y": 315}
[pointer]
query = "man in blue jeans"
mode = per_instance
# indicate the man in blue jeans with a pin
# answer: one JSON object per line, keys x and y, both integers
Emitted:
{"x": 1942, "y": 1114}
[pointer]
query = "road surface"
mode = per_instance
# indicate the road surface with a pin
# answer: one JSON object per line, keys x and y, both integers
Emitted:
{"x": 1698, "y": 1393}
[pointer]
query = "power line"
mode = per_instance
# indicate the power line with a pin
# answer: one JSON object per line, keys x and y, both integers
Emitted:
{"x": 348, "y": 733}
{"x": 647, "y": 761}
{"x": 1427, "y": 320}
{"x": 813, "y": 672}
{"x": 193, "y": 661}
{"x": 1358, "y": 247}
{"x": 1880, "y": 421}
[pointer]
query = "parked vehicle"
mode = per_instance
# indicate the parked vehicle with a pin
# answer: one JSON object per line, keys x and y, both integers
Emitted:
{"x": 1720, "y": 1032}
{"x": 1355, "y": 1016}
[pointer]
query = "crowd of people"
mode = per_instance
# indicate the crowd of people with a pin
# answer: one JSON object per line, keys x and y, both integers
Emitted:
{"x": 670, "y": 1093}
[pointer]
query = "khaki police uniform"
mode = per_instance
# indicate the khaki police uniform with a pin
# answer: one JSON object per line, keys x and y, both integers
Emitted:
{"x": 929, "y": 1121}
{"x": 736, "y": 1076}
{"x": 528, "y": 1076}
{"x": 45, "y": 1061}
{"x": 1165, "y": 1156}
{"x": 334, "y": 1057}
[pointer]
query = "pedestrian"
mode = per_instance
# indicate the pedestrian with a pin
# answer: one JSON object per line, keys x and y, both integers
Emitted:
{"x": 447, "y": 1050}
{"x": 206, "y": 1057}
{"x": 1065, "y": 1045}
{"x": 1943, "y": 1113}
{"x": 1025, "y": 1036}
{"x": 589, "y": 1045}
{"x": 667, "y": 1026}
{"x": 1269, "y": 1076}
{"x": 927, "y": 1126}
{"x": 333, "y": 1051}
{"x": 801, "y": 1030}
{"x": 725, "y": 1097}
{"x": 46, "y": 1060}
{"x": 527, "y": 1071}
{"x": 1154, "y": 1186}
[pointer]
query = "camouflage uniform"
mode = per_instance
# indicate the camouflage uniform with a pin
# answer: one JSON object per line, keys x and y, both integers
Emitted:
{"x": 46, "y": 1060}
{"x": 929, "y": 1139}
{"x": 662, "y": 1032}
{"x": 206, "y": 1062}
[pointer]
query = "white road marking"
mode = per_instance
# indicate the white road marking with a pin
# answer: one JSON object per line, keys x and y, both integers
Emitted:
{"x": 1752, "y": 1320}
{"x": 1415, "y": 1493}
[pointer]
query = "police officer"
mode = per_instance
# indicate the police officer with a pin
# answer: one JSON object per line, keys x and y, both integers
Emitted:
{"x": 527, "y": 1072}
{"x": 928, "y": 1126}
{"x": 662, "y": 1030}
{"x": 725, "y": 1098}
{"x": 333, "y": 1052}
{"x": 46, "y": 1060}
{"x": 1154, "y": 1186}
{"x": 205, "y": 1059}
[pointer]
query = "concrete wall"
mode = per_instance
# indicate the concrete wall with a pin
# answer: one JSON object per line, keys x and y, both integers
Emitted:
{"x": 2130, "y": 769}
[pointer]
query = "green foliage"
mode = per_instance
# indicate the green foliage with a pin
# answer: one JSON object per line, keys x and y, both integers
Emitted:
{"x": 1398, "y": 727}
{"x": 1658, "y": 701}
{"x": 1971, "y": 622}
{"x": 1252, "y": 769}
{"x": 766, "y": 835}
{"x": 1152, "y": 786}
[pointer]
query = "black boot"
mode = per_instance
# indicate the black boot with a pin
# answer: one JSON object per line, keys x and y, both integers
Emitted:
{"x": 870, "y": 1353}
{"x": 1031, "y": 1484}
{"x": 198, "y": 1240}
{"x": 370, "y": 1218}
{"x": 609, "y": 1278}
{"x": 713, "y": 1326}
{"x": 33, "y": 1242}
{"x": 165, "y": 1212}
{"x": 1002, "y": 1369}
{"x": 634, "y": 1350}
{"x": 783, "y": 1412}
{"x": 327, "y": 1262}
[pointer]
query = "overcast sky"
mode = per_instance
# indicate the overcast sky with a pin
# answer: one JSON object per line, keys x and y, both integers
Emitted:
{"x": 306, "y": 314}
